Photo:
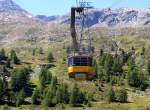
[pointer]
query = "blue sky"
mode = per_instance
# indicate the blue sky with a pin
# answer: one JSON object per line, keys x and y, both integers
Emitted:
{"x": 60, "y": 7}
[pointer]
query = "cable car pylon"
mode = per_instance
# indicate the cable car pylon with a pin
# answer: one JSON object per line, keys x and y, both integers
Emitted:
{"x": 80, "y": 62}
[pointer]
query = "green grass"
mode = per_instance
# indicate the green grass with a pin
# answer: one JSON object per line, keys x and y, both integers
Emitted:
{"x": 137, "y": 103}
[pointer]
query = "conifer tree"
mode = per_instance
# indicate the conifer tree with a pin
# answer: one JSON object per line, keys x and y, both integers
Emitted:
{"x": 50, "y": 98}
{"x": 66, "y": 94}
{"x": 8, "y": 63}
{"x": 108, "y": 64}
{"x": 20, "y": 78}
{"x": 45, "y": 78}
{"x": 111, "y": 95}
{"x": 54, "y": 82}
{"x": 133, "y": 78}
{"x": 50, "y": 57}
{"x": 148, "y": 67}
{"x": 117, "y": 65}
{"x": 14, "y": 58}
{"x": 95, "y": 68}
{"x": 1, "y": 87}
{"x": 102, "y": 59}
{"x": 59, "y": 94}
{"x": 74, "y": 95}
{"x": 40, "y": 50}
{"x": 62, "y": 94}
{"x": 2, "y": 54}
{"x": 35, "y": 96}
{"x": 131, "y": 63}
{"x": 122, "y": 95}
{"x": 20, "y": 98}
{"x": 143, "y": 51}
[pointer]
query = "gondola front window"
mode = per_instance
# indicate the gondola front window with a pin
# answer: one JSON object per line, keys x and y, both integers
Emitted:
{"x": 80, "y": 61}
{"x": 70, "y": 61}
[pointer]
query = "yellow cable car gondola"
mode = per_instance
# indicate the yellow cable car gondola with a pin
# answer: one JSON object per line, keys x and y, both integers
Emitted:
{"x": 80, "y": 65}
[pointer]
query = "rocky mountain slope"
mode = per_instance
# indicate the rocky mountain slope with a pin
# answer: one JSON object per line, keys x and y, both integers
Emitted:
{"x": 100, "y": 18}
{"x": 9, "y": 5}
{"x": 16, "y": 23}
{"x": 121, "y": 17}
{"x": 11, "y": 11}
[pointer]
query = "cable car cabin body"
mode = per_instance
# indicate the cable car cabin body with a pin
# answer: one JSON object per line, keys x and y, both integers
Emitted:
{"x": 80, "y": 67}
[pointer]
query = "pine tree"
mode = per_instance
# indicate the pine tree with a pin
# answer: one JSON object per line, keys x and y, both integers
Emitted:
{"x": 111, "y": 95}
{"x": 66, "y": 94}
{"x": 8, "y": 63}
{"x": 108, "y": 64}
{"x": 11, "y": 97}
{"x": 50, "y": 57}
{"x": 143, "y": 82}
{"x": 101, "y": 52}
{"x": 20, "y": 98}
{"x": 50, "y": 99}
{"x": 95, "y": 68}
{"x": 33, "y": 51}
{"x": 54, "y": 82}
{"x": 20, "y": 78}
{"x": 133, "y": 78}
{"x": 40, "y": 50}
{"x": 35, "y": 96}
{"x": 74, "y": 95}
{"x": 42, "y": 84}
{"x": 124, "y": 56}
{"x": 14, "y": 58}
{"x": 62, "y": 94}
{"x": 1, "y": 87}
{"x": 148, "y": 67}
{"x": 59, "y": 94}
{"x": 131, "y": 63}
{"x": 102, "y": 59}
{"x": 45, "y": 77}
{"x": 143, "y": 51}
{"x": 122, "y": 95}
{"x": 117, "y": 65}
{"x": 2, "y": 54}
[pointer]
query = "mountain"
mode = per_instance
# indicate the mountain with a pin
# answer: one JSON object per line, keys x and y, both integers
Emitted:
{"x": 9, "y": 5}
{"x": 11, "y": 12}
{"x": 14, "y": 22}
{"x": 46, "y": 18}
{"x": 121, "y": 17}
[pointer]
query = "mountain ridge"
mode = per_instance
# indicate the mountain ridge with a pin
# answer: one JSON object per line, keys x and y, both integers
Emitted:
{"x": 119, "y": 17}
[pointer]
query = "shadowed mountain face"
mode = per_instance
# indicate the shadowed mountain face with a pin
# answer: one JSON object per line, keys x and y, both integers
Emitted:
{"x": 9, "y": 5}
{"x": 10, "y": 12}
{"x": 122, "y": 17}
{"x": 46, "y": 18}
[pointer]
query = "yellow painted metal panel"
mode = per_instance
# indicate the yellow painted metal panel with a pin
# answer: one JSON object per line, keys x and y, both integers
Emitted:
{"x": 79, "y": 69}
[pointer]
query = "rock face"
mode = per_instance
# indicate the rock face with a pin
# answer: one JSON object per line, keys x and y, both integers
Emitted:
{"x": 46, "y": 18}
{"x": 11, "y": 12}
{"x": 9, "y": 5}
{"x": 122, "y": 17}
